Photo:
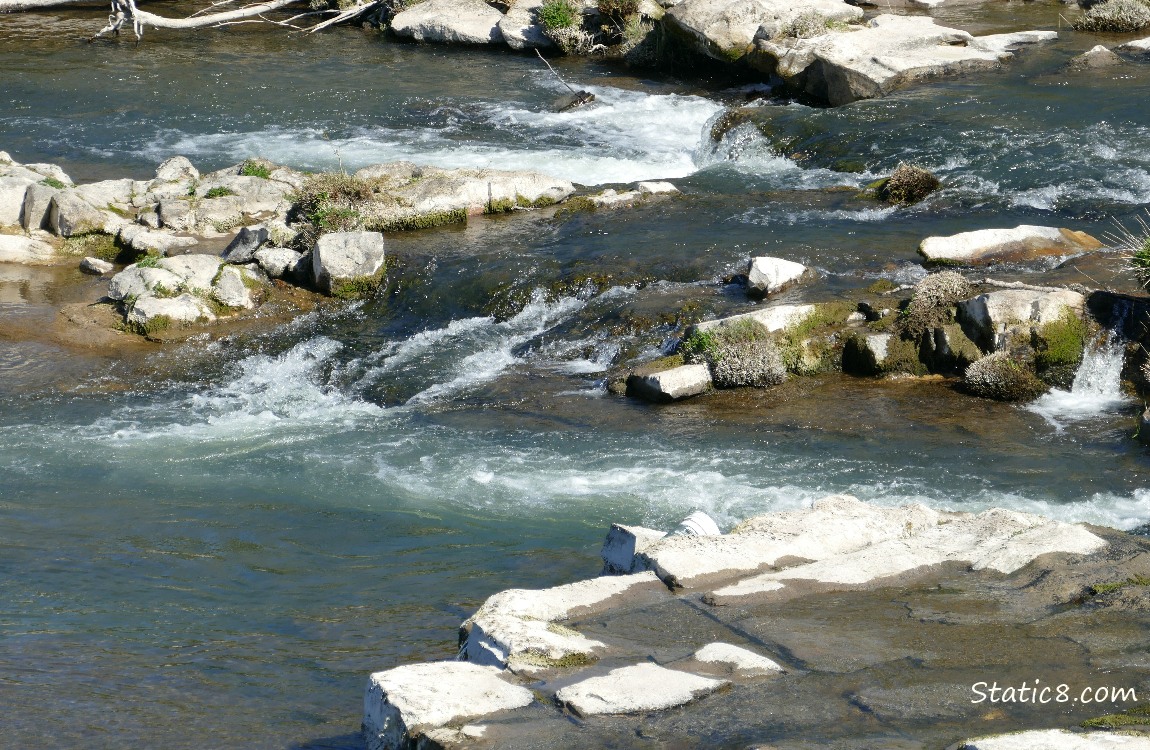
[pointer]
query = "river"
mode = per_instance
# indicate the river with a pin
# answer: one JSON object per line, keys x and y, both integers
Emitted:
{"x": 214, "y": 548}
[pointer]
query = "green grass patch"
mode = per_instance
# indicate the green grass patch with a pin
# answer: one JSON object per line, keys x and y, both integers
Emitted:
{"x": 96, "y": 245}
{"x": 156, "y": 324}
{"x": 219, "y": 192}
{"x": 559, "y": 14}
{"x": 1061, "y": 341}
{"x": 1129, "y": 717}
{"x": 148, "y": 260}
{"x": 52, "y": 182}
{"x": 255, "y": 168}
{"x": 424, "y": 221}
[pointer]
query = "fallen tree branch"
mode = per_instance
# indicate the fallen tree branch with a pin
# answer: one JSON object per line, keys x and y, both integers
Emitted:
{"x": 346, "y": 15}
{"x": 212, "y": 19}
{"x": 1020, "y": 285}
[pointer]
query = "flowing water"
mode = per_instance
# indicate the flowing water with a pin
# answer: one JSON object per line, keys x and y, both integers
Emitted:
{"x": 213, "y": 547}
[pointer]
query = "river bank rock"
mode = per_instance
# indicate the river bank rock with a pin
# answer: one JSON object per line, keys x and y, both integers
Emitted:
{"x": 1024, "y": 242}
{"x": 1136, "y": 47}
{"x": 810, "y": 614}
{"x": 625, "y": 542}
{"x": 96, "y": 267}
{"x": 27, "y": 250}
{"x": 450, "y": 21}
{"x": 1057, "y": 739}
{"x": 671, "y": 384}
{"x": 70, "y": 215}
{"x": 889, "y": 53}
{"x": 725, "y": 29}
{"x": 402, "y": 704}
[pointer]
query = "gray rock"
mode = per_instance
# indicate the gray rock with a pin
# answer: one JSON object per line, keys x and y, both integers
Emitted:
{"x": 725, "y": 29}
{"x": 230, "y": 290}
{"x": 177, "y": 214}
{"x": 1144, "y": 426}
{"x": 95, "y": 266}
{"x": 610, "y": 197}
{"x": 670, "y": 385}
{"x": 177, "y": 169}
{"x": 771, "y": 275}
{"x": 520, "y": 27}
{"x": 279, "y": 261}
{"x": 197, "y": 272}
{"x": 20, "y": 249}
{"x": 1024, "y": 242}
{"x": 450, "y": 21}
{"x": 401, "y": 704}
{"x": 991, "y": 319}
{"x": 243, "y": 248}
{"x": 890, "y": 53}
{"x": 149, "y": 218}
{"x": 37, "y": 206}
{"x": 1094, "y": 58}
{"x": 52, "y": 171}
{"x": 144, "y": 240}
{"x": 220, "y": 214}
{"x": 1137, "y": 47}
{"x": 184, "y": 308}
{"x": 656, "y": 188}
{"x": 118, "y": 193}
{"x": 636, "y": 689}
{"x": 252, "y": 195}
{"x": 343, "y": 257}
{"x": 136, "y": 282}
{"x": 866, "y": 354}
{"x": 623, "y": 543}
{"x": 12, "y": 192}
{"x": 70, "y": 215}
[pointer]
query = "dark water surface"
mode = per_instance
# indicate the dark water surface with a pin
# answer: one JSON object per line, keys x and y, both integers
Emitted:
{"x": 218, "y": 552}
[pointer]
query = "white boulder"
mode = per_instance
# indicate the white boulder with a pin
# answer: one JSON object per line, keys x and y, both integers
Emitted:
{"x": 450, "y": 21}
{"x": 1058, "y": 739}
{"x": 774, "y": 318}
{"x": 738, "y": 660}
{"x": 403, "y": 703}
{"x": 670, "y": 385}
{"x": 144, "y": 240}
{"x": 70, "y": 215}
{"x": 279, "y": 261}
{"x": 1023, "y": 242}
{"x": 231, "y": 289}
{"x": 177, "y": 169}
{"x": 12, "y": 191}
{"x": 1137, "y": 47}
{"x": 183, "y": 308}
{"x": 341, "y": 258}
{"x": 637, "y": 689}
{"x": 656, "y": 188}
{"x": 520, "y": 26}
{"x": 725, "y": 29}
{"x": 95, "y": 266}
{"x": 768, "y": 275}
{"x": 622, "y": 544}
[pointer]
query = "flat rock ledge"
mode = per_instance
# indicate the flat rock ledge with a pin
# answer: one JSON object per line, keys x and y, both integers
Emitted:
{"x": 1057, "y": 739}
{"x": 401, "y": 703}
{"x": 1022, "y": 243}
{"x": 793, "y": 613}
{"x": 889, "y": 53}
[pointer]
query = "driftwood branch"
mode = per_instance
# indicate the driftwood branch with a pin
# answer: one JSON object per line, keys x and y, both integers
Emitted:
{"x": 1020, "y": 285}
{"x": 211, "y": 19}
{"x": 346, "y": 15}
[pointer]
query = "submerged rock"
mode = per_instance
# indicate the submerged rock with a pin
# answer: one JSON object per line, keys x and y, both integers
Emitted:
{"x": 907, "y": 185}
{"x": 400, "y": 705}
{"x": 450, "y": 21}
{"x": 637, "y": 689}
{"x": 1024, "y": 242}
{"x": 1094, "y": 58}
{"x": 890, "y": 53}
{"x": 573, "y": 100}
{"x": 96, "y": 267}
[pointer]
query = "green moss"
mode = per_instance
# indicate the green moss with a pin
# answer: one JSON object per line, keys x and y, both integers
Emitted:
{"x": 542, "y": 201}
{"x": 156, "y": 324}
{"x": 881, "y": 286}
{"x": 163, "y": 292}
{"x": 361, "y": 288}
{"x": 96, "y": 245}
{"x": 423, "y": 221}
{"x": 148, "y": 260}
{"x": 1105, "y": 588}
{"x": 255, "y": 168}
{"x": 52, "y": 182}
{"x": 219, "y": 192}
{"x": 1061, "y": 341}
{"x": 1131, "y": 716}
{"x": 118, "y": 211}
{"x": 575, "y": 205}
{"x": 903, "y": 356}
{"x": 659, "y": 365}
{"x": 569, "y": 661}
{"x": 500, "y": 206}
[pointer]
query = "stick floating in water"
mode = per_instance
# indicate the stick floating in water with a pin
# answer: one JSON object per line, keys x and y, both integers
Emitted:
{"x": 575, "y": 99}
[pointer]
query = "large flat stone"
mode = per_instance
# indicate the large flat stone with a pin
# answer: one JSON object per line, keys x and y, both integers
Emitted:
{"x": 450, "y": 21}
{"x": 401, "y": 704}
{"x": 1024, "y": 242}
{"x": 637, "y": 689}
{"x": 725, "y": 29}
{"x": 773, "y": 318}
{"x": 890, "y": 53}
{"x": 670, "y": 385}
{"x": 26, "y": 250}
{"x": 1057, "y": 739}
{"x": 995, "y": 539}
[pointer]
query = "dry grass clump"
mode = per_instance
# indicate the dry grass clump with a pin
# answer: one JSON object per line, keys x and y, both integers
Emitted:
{"x": 1116, "y": 16}
{"x": 999, "y": 377}
{"x": 908, "y": 184}
{"x": 933, "y": 300}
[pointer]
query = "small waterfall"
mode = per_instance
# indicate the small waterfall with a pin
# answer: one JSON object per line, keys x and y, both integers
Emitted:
{"x": 1097, "y": 387}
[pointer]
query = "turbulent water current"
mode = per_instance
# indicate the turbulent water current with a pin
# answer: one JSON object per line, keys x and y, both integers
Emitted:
{"x": 215, "y": 548}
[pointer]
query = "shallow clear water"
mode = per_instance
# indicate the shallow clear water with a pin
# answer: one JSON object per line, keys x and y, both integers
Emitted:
{"x": 217, "y": 553}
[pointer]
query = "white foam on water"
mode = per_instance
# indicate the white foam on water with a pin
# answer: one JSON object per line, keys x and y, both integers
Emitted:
{"x": 279, "y": 395}
{"x": 626, "y": 136}
{"x": 1097, "y": 387}
{"x": 494, "y": 346}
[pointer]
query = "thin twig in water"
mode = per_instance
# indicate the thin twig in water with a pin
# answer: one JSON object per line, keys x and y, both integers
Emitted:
{"x": 544, "y": 59}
